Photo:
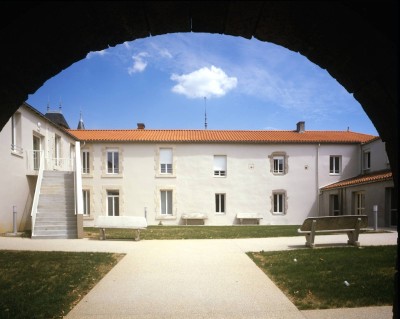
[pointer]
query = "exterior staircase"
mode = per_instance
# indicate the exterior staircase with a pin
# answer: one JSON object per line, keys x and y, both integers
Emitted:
{"x": 55, "y": 217}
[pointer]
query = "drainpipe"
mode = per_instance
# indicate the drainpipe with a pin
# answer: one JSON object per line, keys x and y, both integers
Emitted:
{"x": 317, "y": 178}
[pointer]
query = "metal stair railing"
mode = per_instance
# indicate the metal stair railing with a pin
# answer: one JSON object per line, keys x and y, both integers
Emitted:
{"x": 37, "y": 191}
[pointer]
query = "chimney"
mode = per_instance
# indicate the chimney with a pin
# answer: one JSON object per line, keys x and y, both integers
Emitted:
{"x": 301, "y": 127}
{"x": 140, "y": 126}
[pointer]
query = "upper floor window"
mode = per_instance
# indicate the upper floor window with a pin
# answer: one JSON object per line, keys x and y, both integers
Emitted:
{"x": 85, "y": 162}
{"x": 112, "y": 161}
{"x": 278, "y": 163}
{"x": 219, "y": 165}
{"x": 335, "y": 164}
{"x": 16, "y": 133}
{"x": 366, "y": 160}
{"x": 166, "y": 161}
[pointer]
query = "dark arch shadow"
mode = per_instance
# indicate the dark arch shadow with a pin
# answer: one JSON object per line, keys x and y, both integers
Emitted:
{"x": 356, "y": 42}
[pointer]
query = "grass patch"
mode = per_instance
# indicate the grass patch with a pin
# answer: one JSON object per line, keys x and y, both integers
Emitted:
{"x": 37, "y": 284}
{"x": 198, "y": 232}
{"x": 314, "y": 278}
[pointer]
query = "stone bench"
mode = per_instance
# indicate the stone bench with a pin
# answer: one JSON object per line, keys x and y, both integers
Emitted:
{"x": 127, "y": 222}
{"x": 194, "y": 216}
{"x": 247, "y": 216}
{"x": 350, "y": 224}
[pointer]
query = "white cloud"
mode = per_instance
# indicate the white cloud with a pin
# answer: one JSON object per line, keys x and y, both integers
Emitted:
{"x": 139, "y": 64}
{"x": 205, "y": 82}
{"x": 92, "y": 54}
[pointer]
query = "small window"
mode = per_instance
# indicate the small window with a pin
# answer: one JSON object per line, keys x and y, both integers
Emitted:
{"x": 16, "y": 133}
{"x": 279, "y": 202}
{"x": 85, "y": 162}
{"x": 86, "y": 202}
{"x": 112, "y": 161}
{"x": 166, "y": 161}
{"x": 219, "y": 165}
{"x": 220, "y": 203}
{"x": 57, "y": 150}
{"x": 366, "y": 160}
{"x": 113, "y": 203}
{"x": 334, "y": 164}
{"x": 278, "y": 164}
{"x": 359, "y": 203}
{"x": 166, "y": 202}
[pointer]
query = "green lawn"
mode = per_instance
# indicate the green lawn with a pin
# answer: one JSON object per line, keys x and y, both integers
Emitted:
{"x": 198, "y": 232}
{"x": 47, "y": 285}
{"x": 315, "y": 278}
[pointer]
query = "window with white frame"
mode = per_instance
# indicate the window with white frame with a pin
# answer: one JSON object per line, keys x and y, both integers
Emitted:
{"x": 359, "y": 203}
{"x": 57, "y": 150}
{"x": 220, "y": 203}
{"x": 366, "y": 160}
{"x": 278, "y": 164}
{"x": 335, "y": 164}
{"x": 113, "y": 203}
{"x": 112, "y": 161}
{"x": 166, "y": 161}
{"x": 166, "y": 207}
{"x": 16, "y": 133}
{"x": 279, "y": 203}
{"x": 85, "y": 162}
{"x": 219, "y": 165}
{"x": 86, "y": 202}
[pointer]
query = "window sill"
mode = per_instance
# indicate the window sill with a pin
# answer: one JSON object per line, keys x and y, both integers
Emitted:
{"x": 165, "y": 176}
{"x": 18, "y": 154}
{"x": 166, "y": 217}
{"x": 112, "y": 175}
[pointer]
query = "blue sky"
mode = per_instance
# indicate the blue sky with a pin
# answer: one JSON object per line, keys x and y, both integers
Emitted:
{"x": 168, "y": 81}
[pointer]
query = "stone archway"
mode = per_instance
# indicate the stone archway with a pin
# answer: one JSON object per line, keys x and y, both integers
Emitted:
{"x": 356, "y": 42}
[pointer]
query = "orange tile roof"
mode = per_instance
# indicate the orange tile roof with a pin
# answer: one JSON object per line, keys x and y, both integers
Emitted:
{"x": 361, "y": 179}
{"x": 224, "y": 136}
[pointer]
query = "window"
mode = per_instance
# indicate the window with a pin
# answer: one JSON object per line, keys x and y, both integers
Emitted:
{"x": 334, "y": 164}
{"x": 278, "y": 203}
{"x": 166, "y": 161}
{"x": 278, "y": 164}
{"x": 166, "y": 202}
{"x": 366, "y": 160}
{"x": 16, "y": 133}
{"x": 112, "y": 161}
{"x": 220, "y": 203}
{"x": 57, "y": 150}
{"x": 113, "y": 203}
{"x": 85, "y": 162}
{"x": 359, "y": 206}
{"x": 334, "y": 205}
{"x": 86, "y": 202}
{"x": 219, "y": 165}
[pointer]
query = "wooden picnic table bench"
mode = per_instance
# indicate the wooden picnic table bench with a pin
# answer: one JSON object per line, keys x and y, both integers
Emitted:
{"x": 194, "y": 216}
{"x": 128, "y": 222}
{"x": 350, "y": 224}
{"x": 247, "y": 216}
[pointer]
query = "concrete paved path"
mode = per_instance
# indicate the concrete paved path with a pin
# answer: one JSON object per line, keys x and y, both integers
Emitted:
{"x": 195, "y": 279}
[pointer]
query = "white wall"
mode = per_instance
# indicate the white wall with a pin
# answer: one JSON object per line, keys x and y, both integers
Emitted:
{"x": 17, "y": 180}
{"x": 248, "y": 185}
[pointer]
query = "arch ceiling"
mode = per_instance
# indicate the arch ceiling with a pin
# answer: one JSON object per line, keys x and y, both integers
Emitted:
{"x": 355, "y": 41}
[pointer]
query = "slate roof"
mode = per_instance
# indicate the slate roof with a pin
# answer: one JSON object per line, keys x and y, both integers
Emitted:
{"x": 224, "y": 136}
{"x": 379, "y": 176}
{"x": 57, "y": 118}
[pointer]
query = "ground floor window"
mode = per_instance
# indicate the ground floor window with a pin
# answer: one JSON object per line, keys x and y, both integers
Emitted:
{"x": 220, "y": 203}
{"x": 86, "y": 202}
{"x": 278, "y": 202}
{"x": 166, "y": 202}
{"x": 334, "y": 209}
{"x": 359, "y": 203}
{"x": 113, "y": 203}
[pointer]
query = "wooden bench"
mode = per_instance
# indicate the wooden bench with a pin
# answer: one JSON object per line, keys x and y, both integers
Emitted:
{"x": 194, "y": 216}
{"x": 350, "y": 224}
{"x": 129, "y": 222}
{"x": 246, "y": 216}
